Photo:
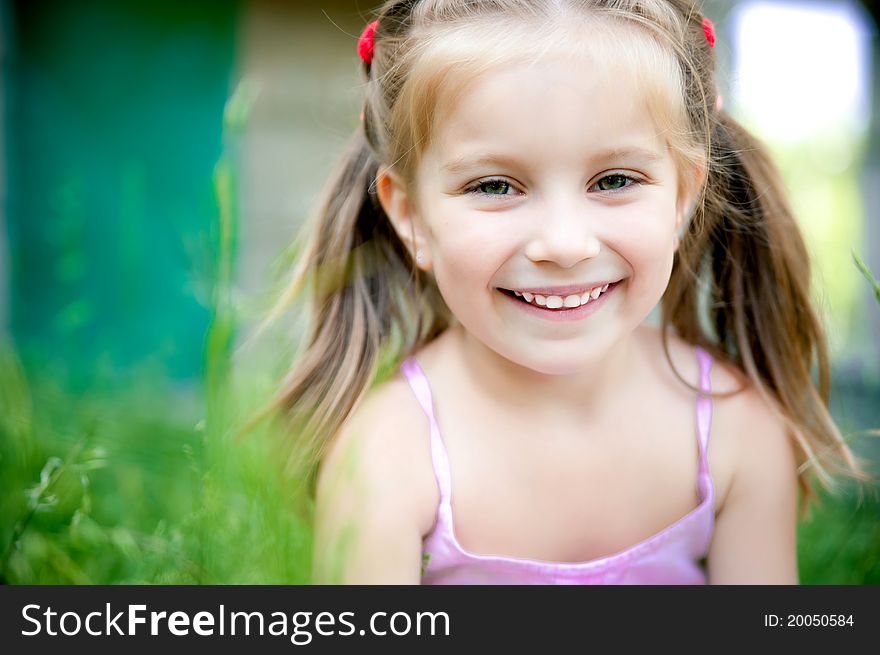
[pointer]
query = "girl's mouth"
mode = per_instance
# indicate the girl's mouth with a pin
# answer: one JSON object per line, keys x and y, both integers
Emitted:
{"x": 556, "y": 303}
{"x": 571, "y": 307}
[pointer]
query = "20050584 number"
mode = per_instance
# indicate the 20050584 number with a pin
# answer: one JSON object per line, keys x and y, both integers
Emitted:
{"x": 807, "y": 620}
{"x": 795, "y": 620}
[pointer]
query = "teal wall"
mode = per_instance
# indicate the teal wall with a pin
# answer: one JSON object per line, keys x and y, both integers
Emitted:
{"x": 113, "y": 126}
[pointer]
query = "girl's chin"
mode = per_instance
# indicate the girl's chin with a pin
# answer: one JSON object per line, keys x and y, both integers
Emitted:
{"x": 563, "y": 364}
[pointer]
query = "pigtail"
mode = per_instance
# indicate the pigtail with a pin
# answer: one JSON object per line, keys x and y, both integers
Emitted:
{"x": 363, "y": 292}
{"x": 743, "y": 265}
{"x": 368, "y": 305}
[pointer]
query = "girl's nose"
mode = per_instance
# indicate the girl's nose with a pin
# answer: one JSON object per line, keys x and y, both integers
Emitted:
{"x": 564, "y": 234}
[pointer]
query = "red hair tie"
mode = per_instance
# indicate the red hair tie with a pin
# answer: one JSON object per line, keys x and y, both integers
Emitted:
{"x": 365, "y": 42}
{"x": 709, "y": 31}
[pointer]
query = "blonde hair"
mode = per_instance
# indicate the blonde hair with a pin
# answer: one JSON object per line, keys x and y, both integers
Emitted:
{"x": 740, "y": 282}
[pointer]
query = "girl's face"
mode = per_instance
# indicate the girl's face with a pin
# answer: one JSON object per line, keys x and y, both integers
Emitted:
{"x": 548, "y": 180}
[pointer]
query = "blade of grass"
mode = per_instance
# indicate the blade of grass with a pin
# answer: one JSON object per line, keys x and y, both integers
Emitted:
{"x": 863, "y": 267}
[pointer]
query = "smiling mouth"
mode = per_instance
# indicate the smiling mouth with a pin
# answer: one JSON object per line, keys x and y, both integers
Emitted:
{"x": 560, "y": 303}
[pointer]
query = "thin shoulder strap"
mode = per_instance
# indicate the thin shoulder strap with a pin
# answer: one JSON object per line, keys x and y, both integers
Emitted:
{"x": 704, "y": 407}
{"x": 418, "y": 381}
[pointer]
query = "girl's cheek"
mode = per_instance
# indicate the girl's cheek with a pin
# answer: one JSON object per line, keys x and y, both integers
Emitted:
{"x": 483, "y": 242}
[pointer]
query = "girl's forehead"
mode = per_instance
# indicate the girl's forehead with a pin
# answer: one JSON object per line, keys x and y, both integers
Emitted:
{"x": 605, "y": 70}
{"x": 558, "y": 102}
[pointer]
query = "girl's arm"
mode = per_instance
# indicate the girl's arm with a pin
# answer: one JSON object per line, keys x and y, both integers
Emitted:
{"x": 755, "y": 531}
{"x": 369, "y": 503}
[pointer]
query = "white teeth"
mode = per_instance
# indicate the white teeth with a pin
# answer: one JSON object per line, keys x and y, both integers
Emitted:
{"x": 570, "y": 302}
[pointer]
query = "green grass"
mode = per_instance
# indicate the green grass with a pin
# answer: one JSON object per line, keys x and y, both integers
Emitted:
{"x": 840, "y": 544}
{"x": 111, "y": 487}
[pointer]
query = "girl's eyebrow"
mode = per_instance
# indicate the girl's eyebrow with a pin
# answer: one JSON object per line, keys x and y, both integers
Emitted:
{"x": 641, "y": 154}
{"x": 465, "y": 163}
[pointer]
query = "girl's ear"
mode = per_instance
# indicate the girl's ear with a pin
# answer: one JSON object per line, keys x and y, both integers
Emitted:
{"x": 398, "y": 206}
{"x": 688, "y": 196}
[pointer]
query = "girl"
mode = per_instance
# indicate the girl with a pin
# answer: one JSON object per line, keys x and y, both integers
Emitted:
{"x": 480, "y": 386}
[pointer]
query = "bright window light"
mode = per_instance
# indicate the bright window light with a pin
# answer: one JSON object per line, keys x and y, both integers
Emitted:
{"x": 801, "y": 69}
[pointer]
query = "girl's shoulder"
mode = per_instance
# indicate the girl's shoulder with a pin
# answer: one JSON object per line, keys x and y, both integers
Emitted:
{"x": 744, "y": 425}
{"x": 753, "y": 464}
{"x": 384, "y": 444}
{"x": 757, "y": 441}
{"x": 372, "y": 499}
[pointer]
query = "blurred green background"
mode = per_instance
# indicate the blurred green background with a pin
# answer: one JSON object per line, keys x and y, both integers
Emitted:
{"x": 155, "y": 163}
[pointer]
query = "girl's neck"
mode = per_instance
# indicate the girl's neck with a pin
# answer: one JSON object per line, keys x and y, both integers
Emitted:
{"x": 581, "y": 396}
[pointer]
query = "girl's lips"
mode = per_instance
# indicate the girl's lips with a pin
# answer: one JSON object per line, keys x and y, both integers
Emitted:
{"x": 562, "y": 290}
{"x": 563, "y": 313}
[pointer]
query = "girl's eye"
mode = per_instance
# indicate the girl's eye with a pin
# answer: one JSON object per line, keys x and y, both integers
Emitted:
{"x": 615, "y": 182}
{"x": 490, "y": 188}
{"x": 500, "y": 187}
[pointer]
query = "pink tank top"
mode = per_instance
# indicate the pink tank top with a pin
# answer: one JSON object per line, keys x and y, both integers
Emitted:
{"x": 672, "y": 556}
